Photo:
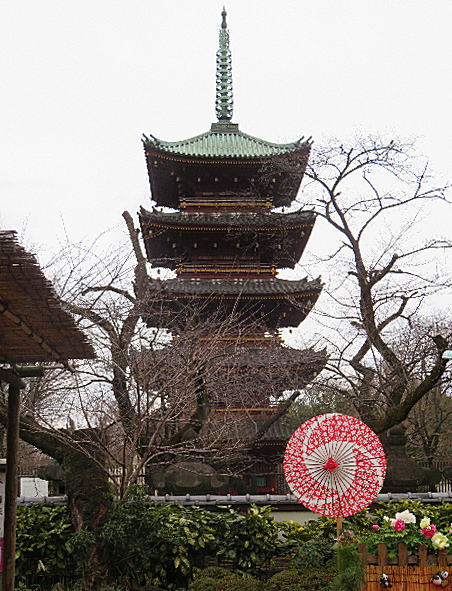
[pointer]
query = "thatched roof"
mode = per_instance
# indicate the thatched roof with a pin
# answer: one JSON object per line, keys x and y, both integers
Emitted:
{"x": 33, "y": 325}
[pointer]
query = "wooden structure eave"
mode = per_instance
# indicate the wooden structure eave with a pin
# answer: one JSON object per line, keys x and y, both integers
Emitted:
{"x": 275, "y": 310}
{"x": 34, "y": 328}
{"x": 172, "y": 239}
{"x": 33, "y": 324}
{"x": 175, "y": 178}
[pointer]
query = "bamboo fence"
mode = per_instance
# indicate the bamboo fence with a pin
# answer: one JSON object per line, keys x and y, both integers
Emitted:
{"x": 407, "y": 572}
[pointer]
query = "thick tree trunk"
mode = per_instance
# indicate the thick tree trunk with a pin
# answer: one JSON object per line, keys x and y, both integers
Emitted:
{"x": 90, "y": 500}
{"x": 89, "y": 493}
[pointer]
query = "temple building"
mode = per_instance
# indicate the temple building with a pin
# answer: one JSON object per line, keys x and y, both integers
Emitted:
{"x": 216, "y": 226}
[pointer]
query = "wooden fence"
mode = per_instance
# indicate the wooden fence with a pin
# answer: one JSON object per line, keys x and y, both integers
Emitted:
{"x": 407, "y": 572}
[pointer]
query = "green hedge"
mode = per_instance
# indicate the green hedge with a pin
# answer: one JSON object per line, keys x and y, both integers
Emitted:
{"x": 43, "y": 548}
{"x": 167, "y": 546}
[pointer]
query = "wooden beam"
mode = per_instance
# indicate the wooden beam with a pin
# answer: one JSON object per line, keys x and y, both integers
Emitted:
{"x": 12, "y": 440}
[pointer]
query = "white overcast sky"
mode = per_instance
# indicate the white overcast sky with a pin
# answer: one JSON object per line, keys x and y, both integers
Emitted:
{"x": 82, "y": 80}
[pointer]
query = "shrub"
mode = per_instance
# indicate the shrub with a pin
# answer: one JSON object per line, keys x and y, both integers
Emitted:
{"x": 206, "y": 584}
{"x": 351, "y": 569}
{"x": 314, "y": 553}
{"x": 157, "y": 545}
{"x": 302, "y": 580}
{"x": 43, "y": 550}
{"x": 248, "y": 540}
{"x": 213, "y": 572}
{"x": 286, "y": 580}
{"x": 237, "y": 583}
{"x": 223, "y": 580}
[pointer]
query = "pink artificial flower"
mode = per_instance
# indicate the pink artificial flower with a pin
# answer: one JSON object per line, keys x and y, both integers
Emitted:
{"x": 399, "y": 525}
{"x": 375, "y": 526}
{"x": 429, "y": 531}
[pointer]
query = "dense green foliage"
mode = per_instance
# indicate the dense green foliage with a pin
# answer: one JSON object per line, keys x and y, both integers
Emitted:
{"x": 167, "y": 546}
{"x": 351, "y": 570}
{"x": 164, "y": 545}
{"x": 43, "y": 548}
{"x": 308, "y": 579}
{"x": 229, "y": 582}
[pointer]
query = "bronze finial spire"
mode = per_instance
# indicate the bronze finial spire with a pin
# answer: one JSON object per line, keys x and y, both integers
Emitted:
{"x": 223, "y": 22}
{"x": 224, "y": 98}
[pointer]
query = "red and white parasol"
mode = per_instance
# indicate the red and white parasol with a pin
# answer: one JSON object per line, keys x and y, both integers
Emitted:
{"x": 335, "y": 465}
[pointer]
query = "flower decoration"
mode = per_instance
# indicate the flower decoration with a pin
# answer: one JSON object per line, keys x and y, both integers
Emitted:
{"x": 406, "y": 517}
{"x": 399, "y": 525}
{"x": 429, "y": 531}
{"x": 346, "y": 535}
{"x": 389, "y": 520}
{"x": 403, "y": 528}
{"x": 440, "y": 541}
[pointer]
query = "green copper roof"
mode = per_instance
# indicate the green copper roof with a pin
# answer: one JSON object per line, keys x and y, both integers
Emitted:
{"x": 224, "y": 139}
{"x": 217, "y": 144}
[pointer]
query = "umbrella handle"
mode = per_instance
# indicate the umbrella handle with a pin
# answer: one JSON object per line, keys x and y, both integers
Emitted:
{"x": 339, "y": 526}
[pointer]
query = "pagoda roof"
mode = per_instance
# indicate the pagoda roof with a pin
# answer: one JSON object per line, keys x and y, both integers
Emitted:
{"x": 226, "y": 141}
{"x": 283, "y": 357}
{"x": 242, "y": 288}
{"x": 228, "y": 221}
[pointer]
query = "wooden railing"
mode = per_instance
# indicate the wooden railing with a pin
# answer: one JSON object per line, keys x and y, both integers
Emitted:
{"x": 403, "y": 558}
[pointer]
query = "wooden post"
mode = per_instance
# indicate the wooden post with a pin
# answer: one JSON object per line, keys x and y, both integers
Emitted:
{"x": 12, "y": 439}
{"x": 442, "y": 558}
{"x": 403, "y": 554}
{"x": 423, "y": 552}
{"x": 382, "y": 555}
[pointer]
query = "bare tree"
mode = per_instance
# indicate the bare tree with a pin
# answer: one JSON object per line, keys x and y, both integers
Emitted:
{"x": 150, "y": 399}
{"x": 429, "y": 424}
{"x": 373, "y": 194}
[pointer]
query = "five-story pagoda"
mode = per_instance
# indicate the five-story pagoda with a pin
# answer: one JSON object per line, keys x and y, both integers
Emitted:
{"x": 226, "y": 245}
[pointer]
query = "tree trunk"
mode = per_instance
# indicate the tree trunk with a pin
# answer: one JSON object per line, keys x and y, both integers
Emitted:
{"x": 90, "y": 500}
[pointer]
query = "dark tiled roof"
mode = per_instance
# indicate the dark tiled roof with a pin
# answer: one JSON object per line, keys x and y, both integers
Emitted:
{"x": 282, "y": 357}
{"x": 237, "y": 287}
{"x": 266, "y": 221}
{"x": 250, "y": 499}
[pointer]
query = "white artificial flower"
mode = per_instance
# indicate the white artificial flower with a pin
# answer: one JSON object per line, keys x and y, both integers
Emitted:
{"x": 406, "y": 516}
{"x": 391, "y": 521}
{"x": 425, "y": 522}
{"x": 440, "y": 541}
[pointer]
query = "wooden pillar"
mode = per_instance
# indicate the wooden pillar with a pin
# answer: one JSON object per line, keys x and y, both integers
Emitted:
{"x": 12, "y": 439}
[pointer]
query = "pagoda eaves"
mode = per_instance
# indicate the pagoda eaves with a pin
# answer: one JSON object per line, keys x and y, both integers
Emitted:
{"x": 172, "y": 239}
{"x": 227, "y": 243}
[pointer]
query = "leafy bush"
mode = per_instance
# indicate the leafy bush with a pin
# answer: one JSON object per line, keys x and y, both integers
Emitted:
{"x": 165, "y": 545}
{"x": 351, "y": 570}
{"x": 213, "y": 572}
{"x": 248, "y": 540}
{"x": 237, "y": 583}
{"x": 223, "y": 580}
{"x": 43, "y": 549}
{"x": 314, "y": 553}
{"x": 286, "y": 580}
{"x": 302, "y": 580}
{"x": 157, "y": 545}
